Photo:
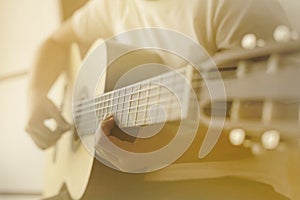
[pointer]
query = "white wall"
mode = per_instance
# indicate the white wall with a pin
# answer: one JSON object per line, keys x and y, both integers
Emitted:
{"x": 21, "y": 165}
{"x": 23, "y": 25}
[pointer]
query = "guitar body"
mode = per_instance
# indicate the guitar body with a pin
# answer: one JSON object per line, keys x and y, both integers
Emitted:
{"x": 68, "y": 164}
{"x": 71, "y": 168}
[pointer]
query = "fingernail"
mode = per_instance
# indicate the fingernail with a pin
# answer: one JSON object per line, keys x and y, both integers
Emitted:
{"x": 107, "y": 116}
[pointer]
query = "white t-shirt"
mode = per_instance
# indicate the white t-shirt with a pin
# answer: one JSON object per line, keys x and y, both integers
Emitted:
{"x": 214, "y": 24}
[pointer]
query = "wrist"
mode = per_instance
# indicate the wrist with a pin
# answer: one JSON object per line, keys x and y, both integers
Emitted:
{"x": 34, "y": 91}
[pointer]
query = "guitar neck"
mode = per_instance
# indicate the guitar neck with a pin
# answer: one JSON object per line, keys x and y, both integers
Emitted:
{"x": 167, "y": 97}
{"x": 154, "y": 100}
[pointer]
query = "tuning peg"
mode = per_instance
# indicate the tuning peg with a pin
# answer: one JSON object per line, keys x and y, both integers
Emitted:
{"x": 270, "y": 139}
{"x": 249, "y": 41}
{"x": 282, "y": 34}
{"x": 237, "y": 136}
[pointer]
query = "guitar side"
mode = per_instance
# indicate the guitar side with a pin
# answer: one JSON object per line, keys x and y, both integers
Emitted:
{"x": 68, "y": 164}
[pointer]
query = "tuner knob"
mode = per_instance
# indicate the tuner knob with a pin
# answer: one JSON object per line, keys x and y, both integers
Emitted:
{"x": 270, "y": 139}
{"x": 282, "y": 34}
{"x": 249, "y": 41}
{"x": 237, "y": 136}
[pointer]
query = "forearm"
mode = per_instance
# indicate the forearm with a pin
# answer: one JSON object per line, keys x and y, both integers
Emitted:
{"x": 52, "y": 59}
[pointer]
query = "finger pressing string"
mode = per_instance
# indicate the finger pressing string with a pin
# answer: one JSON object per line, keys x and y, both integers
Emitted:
{"x": 108, "y": 124}
{"x": 107, "y": 116}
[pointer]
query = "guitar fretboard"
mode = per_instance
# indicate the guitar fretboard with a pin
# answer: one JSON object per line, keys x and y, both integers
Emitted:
{"x": 155, "y": 100}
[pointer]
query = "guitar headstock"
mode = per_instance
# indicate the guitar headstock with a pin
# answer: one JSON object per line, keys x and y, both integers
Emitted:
{"x": 263, "y": 99}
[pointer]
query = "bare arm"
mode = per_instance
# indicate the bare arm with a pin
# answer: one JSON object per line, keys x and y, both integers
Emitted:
{"x": 52, "y": 59}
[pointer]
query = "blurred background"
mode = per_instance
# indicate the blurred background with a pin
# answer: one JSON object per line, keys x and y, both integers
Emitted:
{"x": 23, "y": 26}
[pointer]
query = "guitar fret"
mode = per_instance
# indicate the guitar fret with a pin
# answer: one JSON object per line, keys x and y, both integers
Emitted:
{"x": 127, "y": 105}
{"x": 121, "y": 105}
{"x": 138, "y": 121}
{"x": 131, "y": 105}
{"x": 299, "y": 113}
{"x": 158, "y": 99}
{"x": 147, "y": 103}
{"x": 267, "y": 111}
{"x": 115, "y": 102}
{"x": 145, "y": 100}
{"x": 153, "y": 100}
{"x": 137, "y": 102}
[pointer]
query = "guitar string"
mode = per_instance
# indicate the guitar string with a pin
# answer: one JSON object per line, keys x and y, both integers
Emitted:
{"x": 119, "y": 108}
{"x": 94, "y": 123}
{"x": 180, "y": 71}
{"x": 79, "y": 105}
{"x": 123, "y": 101}
{"x": 130, "y": 110}
{"x": 112, "y": 109}
{"x": 120, "y": 96}
{"x": 122, "y": 90}
{"x": 99, "y": 116}
{"x": 134, "y": 110}
{"x": 93, "y": 104}
{"x": 143, "y": 115}
{"x": 162, "y": 77}
{"x": 137, "y": 111}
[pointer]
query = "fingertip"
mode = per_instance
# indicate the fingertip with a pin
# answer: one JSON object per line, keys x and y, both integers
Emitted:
{"x": 107, "y": 116}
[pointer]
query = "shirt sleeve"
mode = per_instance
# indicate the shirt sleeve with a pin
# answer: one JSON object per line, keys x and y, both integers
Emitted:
{"x": 91, "y": 22}
{"x": 235, "y": 18}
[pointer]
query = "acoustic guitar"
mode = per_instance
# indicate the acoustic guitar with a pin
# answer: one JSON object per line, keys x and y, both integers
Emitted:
{"x": 261, "y": 115}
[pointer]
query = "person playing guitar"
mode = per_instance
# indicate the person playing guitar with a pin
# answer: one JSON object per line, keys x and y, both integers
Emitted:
{"x": 215, "y": 25}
